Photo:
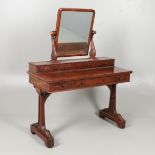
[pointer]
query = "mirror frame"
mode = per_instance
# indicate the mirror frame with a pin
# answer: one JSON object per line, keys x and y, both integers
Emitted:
{"x": 66, "y": 53}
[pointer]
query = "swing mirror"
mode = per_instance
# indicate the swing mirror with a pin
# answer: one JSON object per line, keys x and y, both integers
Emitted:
{"x": 73, "y": 31}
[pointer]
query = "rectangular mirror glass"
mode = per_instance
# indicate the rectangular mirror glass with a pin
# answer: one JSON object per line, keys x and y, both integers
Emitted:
{"x": 74, "y": 26}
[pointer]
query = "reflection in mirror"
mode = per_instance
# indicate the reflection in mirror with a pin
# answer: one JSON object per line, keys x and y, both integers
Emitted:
{"x": 74, "y": 27}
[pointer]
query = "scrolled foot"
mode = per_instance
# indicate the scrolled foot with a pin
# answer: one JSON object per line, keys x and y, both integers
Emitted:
{"x": 120, "y": 121}
{"x": 117, "y": 118}
{"x": 49, "y": 143}
{"x": 43, "y": 133}
{"x": 32, "y": 128}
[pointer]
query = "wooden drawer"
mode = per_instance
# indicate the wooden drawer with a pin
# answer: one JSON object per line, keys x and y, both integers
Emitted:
{"x": 90, "y": 82}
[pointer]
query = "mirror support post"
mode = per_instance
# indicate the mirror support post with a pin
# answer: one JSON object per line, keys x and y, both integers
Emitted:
{"x": 92, "y": 52}
{"x": 54, "y": 54}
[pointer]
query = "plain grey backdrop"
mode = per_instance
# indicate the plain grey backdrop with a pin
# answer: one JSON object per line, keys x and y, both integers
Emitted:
{"x": 126, "y": 32}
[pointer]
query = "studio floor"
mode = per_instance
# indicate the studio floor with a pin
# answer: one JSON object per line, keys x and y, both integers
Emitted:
{"x": 75, "y": 125}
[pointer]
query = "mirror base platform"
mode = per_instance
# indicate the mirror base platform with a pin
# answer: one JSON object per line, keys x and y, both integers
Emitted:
{"x": 43, "y": 133}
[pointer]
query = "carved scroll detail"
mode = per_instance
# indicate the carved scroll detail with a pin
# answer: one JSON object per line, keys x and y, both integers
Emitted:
{"x": 54, "y": 53}
{"x": 92, "y": 52}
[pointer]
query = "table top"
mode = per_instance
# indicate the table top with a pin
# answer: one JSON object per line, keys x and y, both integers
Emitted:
{"x": 80, "y": 74}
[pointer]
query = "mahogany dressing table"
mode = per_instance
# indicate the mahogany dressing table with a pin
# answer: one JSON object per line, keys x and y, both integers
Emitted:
{"x": 74, "y": 37}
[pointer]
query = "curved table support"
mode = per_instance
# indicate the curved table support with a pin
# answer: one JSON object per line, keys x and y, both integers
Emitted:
{"x": 111, "y": 112}
{"x": 39, "y": 128}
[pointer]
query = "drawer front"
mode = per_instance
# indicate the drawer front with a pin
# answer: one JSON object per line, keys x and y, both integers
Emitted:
{"x": 90, "y": 82}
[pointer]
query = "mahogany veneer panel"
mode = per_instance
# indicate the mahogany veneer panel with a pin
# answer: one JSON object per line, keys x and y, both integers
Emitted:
{"x": 61, "y": 81}
{"x": 72, "y": 64}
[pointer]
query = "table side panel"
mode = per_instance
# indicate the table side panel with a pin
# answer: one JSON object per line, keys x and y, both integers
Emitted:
{"x": 40, "y": 84}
